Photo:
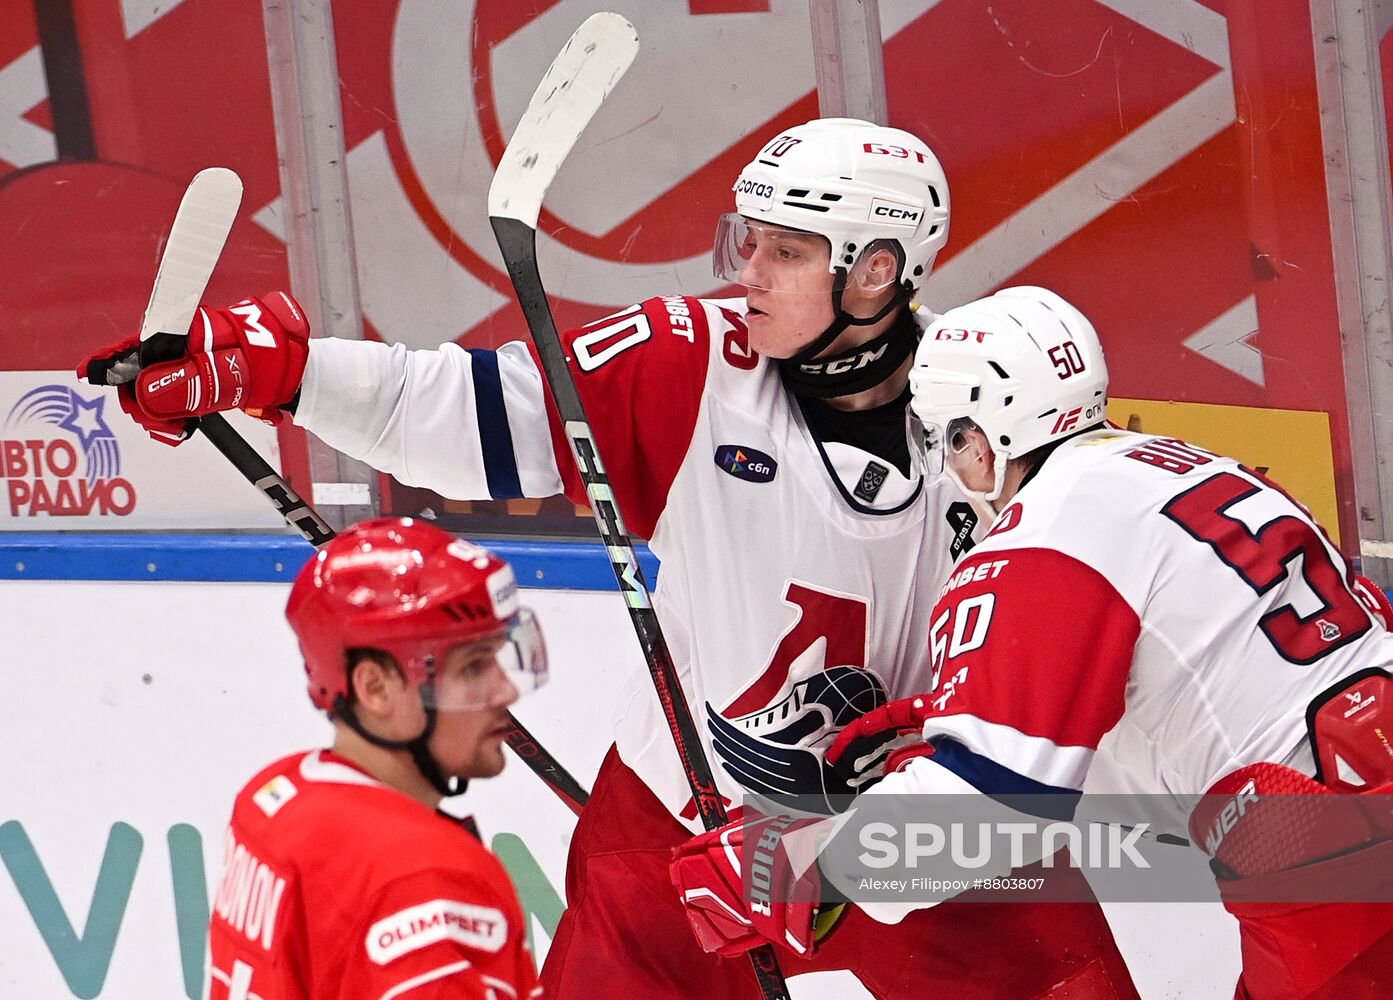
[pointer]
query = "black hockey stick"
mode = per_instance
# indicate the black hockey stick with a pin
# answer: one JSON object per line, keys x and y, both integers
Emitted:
{"x": 300, "y": 515}
{"x": 195, "y": 243}
{"x": 570, "y": 93}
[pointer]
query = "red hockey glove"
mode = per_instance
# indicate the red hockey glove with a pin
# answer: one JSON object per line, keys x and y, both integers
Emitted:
{"x": 880, "y": 742}
{"x": 119, "y": 364}
{"x": 1375, "y": 600}
{"x": 248, "y": 356}
{"x": 731, "y": 913}
{"x": 170, "y": 432}
{"x": 1348, "y": 725}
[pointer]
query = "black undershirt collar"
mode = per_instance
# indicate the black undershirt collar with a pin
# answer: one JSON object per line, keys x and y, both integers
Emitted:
{"x": 879, "y": 430}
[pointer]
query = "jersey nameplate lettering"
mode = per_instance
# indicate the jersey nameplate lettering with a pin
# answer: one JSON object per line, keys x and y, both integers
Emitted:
{"x": 250, "y": 895}
{"x": 482, "y": 928}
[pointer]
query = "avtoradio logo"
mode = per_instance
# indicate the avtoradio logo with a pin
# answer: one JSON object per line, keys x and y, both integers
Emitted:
{"x": 59, "y": 458}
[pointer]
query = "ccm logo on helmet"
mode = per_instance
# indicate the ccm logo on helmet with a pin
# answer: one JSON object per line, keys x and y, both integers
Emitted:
{"x": 888, "y": 211}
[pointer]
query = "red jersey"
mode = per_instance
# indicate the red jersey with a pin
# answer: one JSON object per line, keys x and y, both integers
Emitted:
{"x": 337, "y": 886}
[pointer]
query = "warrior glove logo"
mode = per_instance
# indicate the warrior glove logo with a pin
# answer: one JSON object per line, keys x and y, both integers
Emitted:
{"x": 746, "y": 463}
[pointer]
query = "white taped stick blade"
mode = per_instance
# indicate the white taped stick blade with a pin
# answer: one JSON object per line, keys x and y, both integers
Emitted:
{"x": 577, "y": 83}
{"x": 195, "y": 243}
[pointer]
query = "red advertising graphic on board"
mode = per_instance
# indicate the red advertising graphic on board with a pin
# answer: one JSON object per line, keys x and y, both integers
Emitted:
{"x": 1159, "y": 163}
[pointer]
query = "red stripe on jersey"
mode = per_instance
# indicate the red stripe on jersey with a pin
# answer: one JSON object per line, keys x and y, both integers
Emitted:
{"x": 640, "y": 374}
{"x": 838, "y": 619}
{"x": 1035, "y": 640}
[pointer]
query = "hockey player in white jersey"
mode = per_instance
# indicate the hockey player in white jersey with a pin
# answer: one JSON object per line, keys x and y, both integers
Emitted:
{"x": 763, "y": 446}
{"x": 1152, "y": 613}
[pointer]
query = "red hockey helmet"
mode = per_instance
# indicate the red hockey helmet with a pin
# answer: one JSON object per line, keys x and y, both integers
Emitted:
{"x": 415, "y": 592}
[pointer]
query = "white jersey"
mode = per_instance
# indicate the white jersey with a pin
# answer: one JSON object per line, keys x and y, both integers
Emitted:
{"x": 1144, "y": 614}
{"x": 797, "y": 576}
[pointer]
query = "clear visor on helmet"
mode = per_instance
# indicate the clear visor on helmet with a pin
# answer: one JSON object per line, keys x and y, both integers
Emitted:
{"x": 942, "y": 443}
{"x": 765, "y": 256}
{"x": 942, "y": 399}
{"x": 491, "y": 671}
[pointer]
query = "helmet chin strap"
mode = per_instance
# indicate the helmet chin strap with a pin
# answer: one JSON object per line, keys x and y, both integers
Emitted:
{"x": 859, "y": 368}
{"x": 430, "y": 767}
{"x": 418, "y": 745}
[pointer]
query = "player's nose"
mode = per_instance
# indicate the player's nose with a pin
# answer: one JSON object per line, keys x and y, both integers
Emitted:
{"x": 751, "y": 275}
{"x": 505, "y": 692}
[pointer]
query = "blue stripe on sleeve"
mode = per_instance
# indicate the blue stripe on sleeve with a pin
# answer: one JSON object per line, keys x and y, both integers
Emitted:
{"x": 500, "y": 464}
{"x": 1003, "y": 784}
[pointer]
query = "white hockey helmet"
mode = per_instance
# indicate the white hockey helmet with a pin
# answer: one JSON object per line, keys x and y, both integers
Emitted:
{"x": 1023, "y": 365}
{"x": 851, "y": 181}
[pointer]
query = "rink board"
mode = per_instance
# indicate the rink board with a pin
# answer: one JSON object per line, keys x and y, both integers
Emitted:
{"x": 137, "y": 709}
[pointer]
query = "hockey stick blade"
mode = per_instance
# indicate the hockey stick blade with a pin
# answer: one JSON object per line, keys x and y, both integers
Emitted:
{"x": 192, "y": 249}
{"x": 574, "y": 87}
{"x": 196, "y": 240}
{"x": 191, "y": 252}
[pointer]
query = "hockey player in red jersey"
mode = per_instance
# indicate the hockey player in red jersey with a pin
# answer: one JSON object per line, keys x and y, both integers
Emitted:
{"x": 1150, "y": 615}
{"x": 341, "y": 879}
{"x": 763, "y": 446}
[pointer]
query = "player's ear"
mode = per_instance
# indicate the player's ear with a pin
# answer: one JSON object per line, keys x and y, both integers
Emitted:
{"x": 973, "y": 451}
{"x": 978, "y": 443}
{"x": 877, "y": 269}
{"x": 972, "y": 445}
{"x": 375, "y": 682}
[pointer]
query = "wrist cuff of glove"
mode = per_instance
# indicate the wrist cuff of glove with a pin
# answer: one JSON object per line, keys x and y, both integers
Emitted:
{"x": 901, "y": 757}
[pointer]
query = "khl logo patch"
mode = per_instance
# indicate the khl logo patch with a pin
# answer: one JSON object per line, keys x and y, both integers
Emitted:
{"x": 871, "y": 482}
{"x": 746, "y": 463}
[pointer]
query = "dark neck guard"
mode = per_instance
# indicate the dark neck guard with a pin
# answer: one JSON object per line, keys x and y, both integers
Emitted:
{"x": 857, "y": 369}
